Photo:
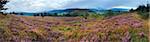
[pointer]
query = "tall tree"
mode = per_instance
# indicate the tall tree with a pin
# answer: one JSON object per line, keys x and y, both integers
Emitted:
{"x": 132, "y": 10}
{"x": 2, "y": 3}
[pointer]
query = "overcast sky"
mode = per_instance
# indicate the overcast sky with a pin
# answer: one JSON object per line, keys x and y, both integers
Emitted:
{"x": 45, "y": 5}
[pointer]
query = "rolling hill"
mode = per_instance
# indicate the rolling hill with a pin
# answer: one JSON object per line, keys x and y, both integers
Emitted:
{"x": 121, "y": 28}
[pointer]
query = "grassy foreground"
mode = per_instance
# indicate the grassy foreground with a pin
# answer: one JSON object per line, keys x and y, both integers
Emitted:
{"x": 127, "y": 27}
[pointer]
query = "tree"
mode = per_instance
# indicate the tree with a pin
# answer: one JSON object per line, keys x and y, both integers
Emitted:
{"x": 2, "y": 3}
{"x": 148, "y": 8}
{"x": 143, "y": 11}
{"x": 141, "y": 8}
{"x": 131, "y": 10}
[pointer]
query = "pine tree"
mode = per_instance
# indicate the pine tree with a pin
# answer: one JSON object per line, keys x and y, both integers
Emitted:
{"x": 141, "y": 8}
{"x": 132, "y": 10}
{"x": 143, "y": 11}
{"x": 2, "y": 3}
{"x": 148, "y": 8}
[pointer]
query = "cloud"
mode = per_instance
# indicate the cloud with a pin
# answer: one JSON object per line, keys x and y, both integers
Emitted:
{"x": 44, "y": 5}
{"x": 106, "y": 3}
{"x": 36, "y": 5}
{"x": 124, "y": 7}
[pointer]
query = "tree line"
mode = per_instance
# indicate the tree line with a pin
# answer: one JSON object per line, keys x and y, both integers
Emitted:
{"x": 142, "y": 8}
{"x": 143, "y": 11}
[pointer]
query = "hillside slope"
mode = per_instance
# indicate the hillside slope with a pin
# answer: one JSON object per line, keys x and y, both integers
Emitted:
{"x": 122, "y": 28}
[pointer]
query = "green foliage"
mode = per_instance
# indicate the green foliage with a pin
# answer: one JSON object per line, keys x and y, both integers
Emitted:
{"x": 143, "y": 11}
{"x": 64, "y": 28}
{"x": 2, "y": 4}
{"x": 110, "y": 13}
{"x": 144, "y": 15}
{"x": 96, "y": 16}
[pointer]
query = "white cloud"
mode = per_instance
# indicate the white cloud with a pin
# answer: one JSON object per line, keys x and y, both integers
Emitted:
{"x": 124, "y": 7}
{"x": 43, "y": 5}
{"x": 36, "y": 5}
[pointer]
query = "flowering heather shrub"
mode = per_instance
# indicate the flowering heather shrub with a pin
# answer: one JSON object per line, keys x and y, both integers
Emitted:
{"x": 121, "y": 28}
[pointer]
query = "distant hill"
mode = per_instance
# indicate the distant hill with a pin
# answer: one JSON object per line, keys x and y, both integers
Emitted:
{"x": 90, "y": 10}
{"x": 68, "y": 11}
{"x": 119, "y": 9}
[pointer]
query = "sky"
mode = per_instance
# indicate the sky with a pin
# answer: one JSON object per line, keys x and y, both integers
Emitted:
{"x": 46, "y": 5}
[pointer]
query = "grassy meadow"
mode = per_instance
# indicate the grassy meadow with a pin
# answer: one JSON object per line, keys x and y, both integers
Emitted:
{"x": 125, "y": 27}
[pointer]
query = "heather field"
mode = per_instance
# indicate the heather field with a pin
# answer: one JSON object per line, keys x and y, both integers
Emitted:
{"x": 74, "y": 21}
{"x": 127, "y": 27}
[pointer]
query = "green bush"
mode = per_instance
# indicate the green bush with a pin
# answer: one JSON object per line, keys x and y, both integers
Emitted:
{"x": 144, "y": 15}
{"x": 96, "y": 16}
{"x": 110, "y": 13}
